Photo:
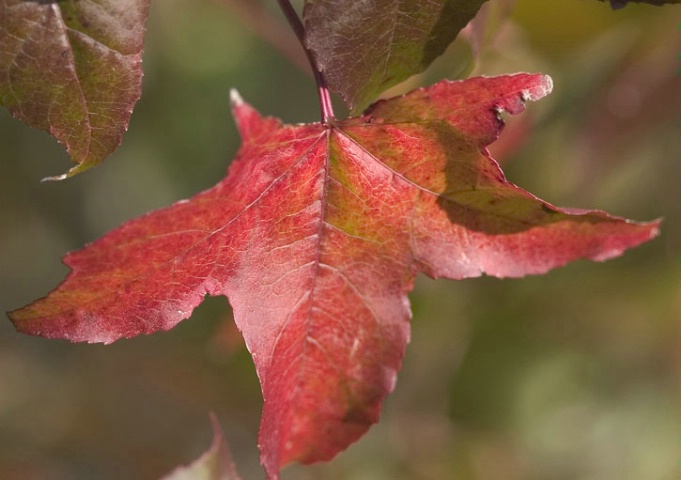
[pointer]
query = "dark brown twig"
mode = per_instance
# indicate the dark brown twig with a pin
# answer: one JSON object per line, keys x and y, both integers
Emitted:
{"x": 322, "y": 89}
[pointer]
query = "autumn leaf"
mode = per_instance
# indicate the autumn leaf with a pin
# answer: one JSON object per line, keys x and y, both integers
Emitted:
{"x": 316, "y": 235}
{"x": 363, "y": 48}
{"x": 215, "y": 464}
{"x": 73, "y": 69}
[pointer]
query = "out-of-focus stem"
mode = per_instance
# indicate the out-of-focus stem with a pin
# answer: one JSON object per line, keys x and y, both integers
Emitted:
{"x": 322, "y": 89}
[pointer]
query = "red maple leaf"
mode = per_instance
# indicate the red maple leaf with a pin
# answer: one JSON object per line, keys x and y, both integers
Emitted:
{"x": 316, "y": 235}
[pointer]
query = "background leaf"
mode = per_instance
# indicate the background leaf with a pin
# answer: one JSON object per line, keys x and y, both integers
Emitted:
{"x": 73, "y": 69}
{"x": 215, "y": 464}
{"x": 482, "y": 30}
{"x": 363, "y": 48}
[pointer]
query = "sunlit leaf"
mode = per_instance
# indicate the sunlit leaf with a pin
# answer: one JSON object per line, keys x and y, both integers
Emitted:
{"x": 315, "y": 237}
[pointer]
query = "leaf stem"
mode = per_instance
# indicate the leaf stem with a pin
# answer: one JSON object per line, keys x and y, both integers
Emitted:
{"x": 322, "y": 88}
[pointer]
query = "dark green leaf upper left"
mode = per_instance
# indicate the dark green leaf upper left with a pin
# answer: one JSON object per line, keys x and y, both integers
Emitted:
{"x": 73, "y": 69}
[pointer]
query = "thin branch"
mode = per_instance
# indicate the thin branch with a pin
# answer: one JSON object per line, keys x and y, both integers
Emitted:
{"x": 322, "y": 89}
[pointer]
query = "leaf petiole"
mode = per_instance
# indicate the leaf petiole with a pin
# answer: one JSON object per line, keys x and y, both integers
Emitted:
{"x": 322, "y": 89}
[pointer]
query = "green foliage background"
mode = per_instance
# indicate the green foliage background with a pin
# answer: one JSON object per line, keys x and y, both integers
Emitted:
{"x": 572, "y": 375}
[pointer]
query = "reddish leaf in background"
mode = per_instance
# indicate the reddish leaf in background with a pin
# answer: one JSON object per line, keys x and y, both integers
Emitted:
{"x": 215, "y": 464}
{"x": 482, "y": 30}
{"x": 315, "y": 236}
{"x": 74, "y": 70}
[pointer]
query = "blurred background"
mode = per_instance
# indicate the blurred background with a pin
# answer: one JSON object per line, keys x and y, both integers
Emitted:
{"x": 569, "y": 376}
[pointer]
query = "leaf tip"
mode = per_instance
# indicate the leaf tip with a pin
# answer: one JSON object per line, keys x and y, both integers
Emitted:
{"x": 542, "y": 88}
{"x": 215, "y": 464}
{"x": 248, "y": 120}
{"x": 75, "y": 170}
{"x": 243, "y": 113}
{"x": 235, "y": 98}
{"x": 653, "y": 228}
{"x": 55, "y": 178}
